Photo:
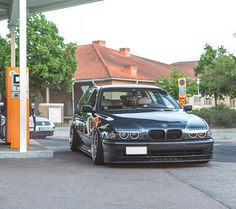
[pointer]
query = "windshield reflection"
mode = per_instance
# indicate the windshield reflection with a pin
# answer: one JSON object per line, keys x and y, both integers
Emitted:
{"x": 133, "y": 99}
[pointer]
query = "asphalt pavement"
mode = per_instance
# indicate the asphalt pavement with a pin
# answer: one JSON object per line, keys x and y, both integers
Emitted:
{"x": 70, "y": 180}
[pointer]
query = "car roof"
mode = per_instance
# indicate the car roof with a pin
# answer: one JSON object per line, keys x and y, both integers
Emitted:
{"x": 38, "y": 118}
{"x": 135, "y": 86}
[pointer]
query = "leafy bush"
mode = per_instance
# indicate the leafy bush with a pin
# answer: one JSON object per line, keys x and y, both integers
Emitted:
{"x": 221, "y": 117}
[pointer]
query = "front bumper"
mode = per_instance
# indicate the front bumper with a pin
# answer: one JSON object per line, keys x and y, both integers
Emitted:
{"x": 41, "y": 133}
{"x": 181, "y": 151}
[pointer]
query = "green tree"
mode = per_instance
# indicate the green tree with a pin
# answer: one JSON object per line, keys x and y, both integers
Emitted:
{"x": 4, "y": 62}
{"x": 216, "y": 70}
{"x": 206, "y": 60}
{"x": 51, "y": 62}
{"x": 171, "y": 83}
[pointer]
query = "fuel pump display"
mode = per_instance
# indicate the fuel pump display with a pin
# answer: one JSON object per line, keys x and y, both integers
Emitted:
{"x": 13, "y": 108}
{"x": 15, "y": 85}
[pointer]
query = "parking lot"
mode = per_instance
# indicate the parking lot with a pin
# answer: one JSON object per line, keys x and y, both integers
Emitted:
{"x": 71, "y": 180}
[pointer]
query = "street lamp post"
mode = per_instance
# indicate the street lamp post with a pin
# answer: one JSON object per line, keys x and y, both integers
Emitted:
{"x": 198, "y": 83}
{"x": 198, "y": 91}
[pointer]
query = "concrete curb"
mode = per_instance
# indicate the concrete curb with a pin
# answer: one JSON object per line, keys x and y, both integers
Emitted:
{"x": 36, "y": 150}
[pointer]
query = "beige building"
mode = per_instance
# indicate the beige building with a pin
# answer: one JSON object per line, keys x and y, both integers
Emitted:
{"x": 100, "y": 65}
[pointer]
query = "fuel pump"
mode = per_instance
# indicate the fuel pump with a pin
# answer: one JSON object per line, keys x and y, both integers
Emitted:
{"x": 13, "y": 108}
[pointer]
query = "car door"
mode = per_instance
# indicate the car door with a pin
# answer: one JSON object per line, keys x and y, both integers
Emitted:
{"x": 84, "y": 123}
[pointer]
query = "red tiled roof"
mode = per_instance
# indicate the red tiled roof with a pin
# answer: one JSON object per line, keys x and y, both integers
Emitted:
{"x": 99, "y": 62}
{"x": 187, "y": 67}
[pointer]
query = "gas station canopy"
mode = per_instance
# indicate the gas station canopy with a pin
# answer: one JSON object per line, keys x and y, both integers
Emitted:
{"x": 14, "y": 11}
{"x": 9, "y": 9}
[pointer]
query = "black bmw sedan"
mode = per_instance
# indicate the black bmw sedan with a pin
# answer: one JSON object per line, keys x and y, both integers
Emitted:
{"x": 138, "y": 123}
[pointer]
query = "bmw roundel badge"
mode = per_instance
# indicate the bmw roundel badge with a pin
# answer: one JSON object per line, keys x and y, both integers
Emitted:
{"x": 164, "y": 125}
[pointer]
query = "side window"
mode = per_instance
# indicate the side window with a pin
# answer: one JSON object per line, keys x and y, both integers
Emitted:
{"x": 92, "y": 99}
{"x": 167, "y": 103}
{"x": 85, "y": 98}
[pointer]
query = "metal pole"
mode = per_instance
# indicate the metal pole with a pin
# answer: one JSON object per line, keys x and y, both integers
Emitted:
{"x": 13, "y": 46}
{"x": 73, "y": 97}
{"x": 23, "y": 80}
{"x": 198, "y": 91}
{"x": 47, "y": 95}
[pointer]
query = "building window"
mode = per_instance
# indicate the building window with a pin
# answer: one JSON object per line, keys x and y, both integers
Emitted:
{"x": 197, "y": 100}
{"x": 187, "y": 100}
{"x": 208, "y": 101}
{"x": 233, "y": 103}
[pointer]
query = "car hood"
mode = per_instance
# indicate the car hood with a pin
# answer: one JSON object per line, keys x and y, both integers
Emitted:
{"x": 157, "y": 119}
{"x": 41, "y": 118}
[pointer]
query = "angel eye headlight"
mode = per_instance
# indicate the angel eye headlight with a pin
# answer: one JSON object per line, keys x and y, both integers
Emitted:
{"x": 131, "y": 134}
{"x": 191, "y": 134}
{"x": 123, "y": 135}
{"x": 202, "y": 135}
{"x": 134, "y": 135}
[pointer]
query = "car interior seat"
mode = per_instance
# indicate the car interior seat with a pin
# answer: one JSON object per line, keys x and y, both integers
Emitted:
{"x": 106, "y": 104}
{"x": 144, "y": 101}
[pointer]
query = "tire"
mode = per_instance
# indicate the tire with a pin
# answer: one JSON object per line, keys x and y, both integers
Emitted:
{"x": 3, "y": 132}
{"x": 202, "y": 162}
{"x": 73, "y": 140}
{"x": 97, "y": 150}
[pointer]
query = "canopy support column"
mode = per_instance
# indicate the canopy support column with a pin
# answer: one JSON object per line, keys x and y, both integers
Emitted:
{"x": 13, "y": 45}
{"x": 23, "y": 79}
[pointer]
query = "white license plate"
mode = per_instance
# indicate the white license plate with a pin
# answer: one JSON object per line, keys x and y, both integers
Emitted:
{"x": 136, "y": 150}
{"x": 44, "y": 128}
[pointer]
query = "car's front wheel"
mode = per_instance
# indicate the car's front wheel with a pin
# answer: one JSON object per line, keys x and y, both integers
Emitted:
{"x": 73, "y": 140}
{"x": 97, "y": 150}
{"x": 3, "y": 132}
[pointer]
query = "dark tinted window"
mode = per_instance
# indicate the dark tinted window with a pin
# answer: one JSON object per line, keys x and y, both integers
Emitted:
{"x": 92, "y": 99}
{"x": 85, "y": 98}
{"x": 129, "y": 98}
{"x": 88, "y": 98}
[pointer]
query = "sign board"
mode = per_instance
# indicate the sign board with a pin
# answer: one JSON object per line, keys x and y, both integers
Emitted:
{"x": 182, "y": 101}
{"x": 182, "y": 83}
{"x": 55, "y": 114}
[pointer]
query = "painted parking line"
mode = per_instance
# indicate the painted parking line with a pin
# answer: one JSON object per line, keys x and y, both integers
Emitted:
{"x": 218, "y": 144}
{"x": 59, "y": 148}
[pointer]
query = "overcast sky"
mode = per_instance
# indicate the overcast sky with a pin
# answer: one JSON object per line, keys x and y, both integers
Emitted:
{"x": 163, "y": 30}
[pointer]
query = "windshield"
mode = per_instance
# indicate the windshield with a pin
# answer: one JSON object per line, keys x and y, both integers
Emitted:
{"x": 125, "y": 99}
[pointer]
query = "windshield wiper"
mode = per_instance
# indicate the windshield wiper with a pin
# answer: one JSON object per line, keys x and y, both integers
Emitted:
{"x": 157, "y": 108}
{"x": 169, "y": 110}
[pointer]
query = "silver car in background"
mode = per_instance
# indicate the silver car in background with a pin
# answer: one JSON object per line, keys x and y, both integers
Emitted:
{"x": 44, "y": 127}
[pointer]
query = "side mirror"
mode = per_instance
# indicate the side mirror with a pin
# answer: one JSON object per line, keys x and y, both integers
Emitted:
{"x": 188, "y": 108}
{"x": 3, "y": 108}
{"x": 32, "y": 111}
{"x": 86, "y": 108}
